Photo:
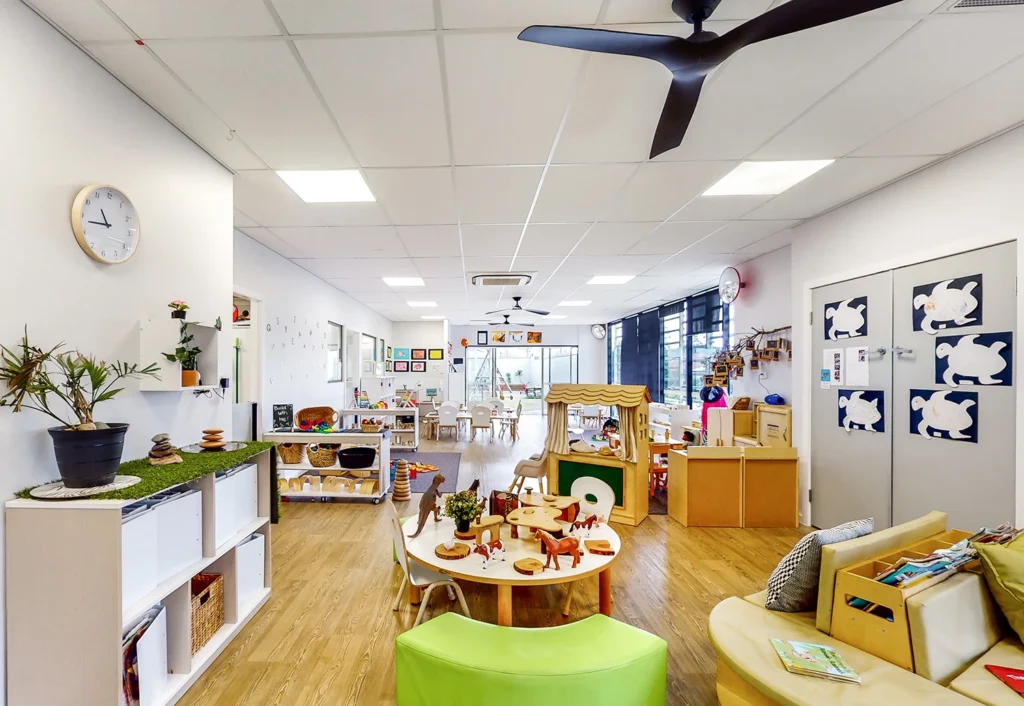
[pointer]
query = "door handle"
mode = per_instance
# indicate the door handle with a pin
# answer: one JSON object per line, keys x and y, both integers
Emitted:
{"x": 900, "y": 350}
{"x": 865, "y": 354}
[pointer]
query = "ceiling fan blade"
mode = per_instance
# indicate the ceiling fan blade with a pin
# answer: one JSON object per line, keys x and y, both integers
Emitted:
{"x": 497, "y": 311}
{"x": 796, "y": 16}
{"x": 538, "y": 312}
{"x": 659, "y": 47}
{"x": 683, "y": 94}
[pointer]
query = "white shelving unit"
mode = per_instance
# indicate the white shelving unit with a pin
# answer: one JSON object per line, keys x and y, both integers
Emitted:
{"x": 78, "y": 576}
{"x": 159, "y": 336}
{"x": 380, "y": 470}
{"x": 378, "y": 388}
{"x": 405, "y": 428}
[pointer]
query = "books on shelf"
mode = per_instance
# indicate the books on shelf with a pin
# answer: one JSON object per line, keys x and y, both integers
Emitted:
{"x": 814, "y": 661}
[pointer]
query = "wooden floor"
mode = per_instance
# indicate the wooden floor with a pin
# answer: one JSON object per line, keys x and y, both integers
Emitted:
{"x": 327, "y": 634}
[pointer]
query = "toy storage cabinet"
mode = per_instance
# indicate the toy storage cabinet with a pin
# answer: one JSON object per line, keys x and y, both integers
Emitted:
{"x": 77, "y": 577}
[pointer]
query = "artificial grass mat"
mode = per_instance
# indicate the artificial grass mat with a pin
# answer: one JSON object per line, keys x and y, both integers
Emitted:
{"x": 157, "y": 478}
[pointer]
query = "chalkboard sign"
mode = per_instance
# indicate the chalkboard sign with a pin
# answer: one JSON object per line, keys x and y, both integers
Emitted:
{"x": 283, "y": 416}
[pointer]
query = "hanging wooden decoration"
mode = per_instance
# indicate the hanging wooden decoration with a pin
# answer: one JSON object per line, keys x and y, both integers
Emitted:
{"x": 978, "y": 358}
{"x": 952, "y": 303}
{"x": 944, "y": 414}
{"x": 846, "y": 319}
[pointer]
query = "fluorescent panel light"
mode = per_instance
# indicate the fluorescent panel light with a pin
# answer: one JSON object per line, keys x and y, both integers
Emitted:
{"x": 328, "y": 186}
{"x": 575, "y": 303}
{"x": 610, "y": 279}
{"x": 424, "y": 305}
{"x": 432, "y": 318}
{"x": 555, "y": 316}
{"x": 403, "y": 281}
{"x": 765, "y": 178}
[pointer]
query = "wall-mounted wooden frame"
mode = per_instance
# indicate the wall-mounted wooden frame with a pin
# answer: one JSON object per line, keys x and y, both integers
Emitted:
{"x": 435, "y": 354}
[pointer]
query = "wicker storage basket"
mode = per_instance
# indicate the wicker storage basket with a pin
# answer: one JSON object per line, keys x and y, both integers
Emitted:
{"x": 290, "y": 453}
{"x": 369, "y": 428}
{"x": 312, "y": 415}
{"x": 322, "y": 455}
{"x": 207, "y": 608}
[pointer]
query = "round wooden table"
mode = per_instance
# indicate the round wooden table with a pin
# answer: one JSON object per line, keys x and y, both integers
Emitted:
{"x": 502, "y": 574}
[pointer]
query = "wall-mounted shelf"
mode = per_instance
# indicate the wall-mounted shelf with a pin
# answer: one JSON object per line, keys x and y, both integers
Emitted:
{"x": 159, "y": 336}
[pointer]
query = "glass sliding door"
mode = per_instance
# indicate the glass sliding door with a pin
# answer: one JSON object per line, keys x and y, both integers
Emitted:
{"x": 518, "y": 373}
{"x": 479, "y": 375}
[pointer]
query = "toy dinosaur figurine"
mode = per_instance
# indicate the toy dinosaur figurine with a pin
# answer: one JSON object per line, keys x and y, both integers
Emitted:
{"x": 430, "y": 502}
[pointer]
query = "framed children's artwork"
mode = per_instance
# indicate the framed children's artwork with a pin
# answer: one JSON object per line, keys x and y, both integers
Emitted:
{"x": 382, "y": 349}
{"x": 944, "y": 414}
{"x": 401, "y": 366}
{"x": 846, "y": 319}
{"x": 978, "y": 358}
{"x": 481, "y": 338}
{"x": 389, "y": 353}
{"x": 435, "y": 354}
{"x": 516, "y": 336}
{"x": 419, "y": 366}
{"x": 387, "y": 366}
{"x": 534, "y": 336}
{"x": 952, "y": 303}
{"x": 419, "y": 353}
{"x": 497, "y": 336}
{"x": 402, "y": 354}
{"x": 862, "y": 409}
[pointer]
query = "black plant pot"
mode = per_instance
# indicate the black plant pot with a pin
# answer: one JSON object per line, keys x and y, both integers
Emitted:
{"x": 87, "y": 459}
{"x": 177, "y": 314}
{"x": 462, "y": 526}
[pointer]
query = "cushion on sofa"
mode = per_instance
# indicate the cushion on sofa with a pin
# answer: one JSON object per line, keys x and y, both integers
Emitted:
{"x": 804, "y": 618}
{"x": 1004, "y": 573}
{"x": 952, "y": 625}
{"x": 793, "y": 586}
{"x": 839, "y": 556}
{"x": 741, "y": 632}
{"x": 981, "y": 685}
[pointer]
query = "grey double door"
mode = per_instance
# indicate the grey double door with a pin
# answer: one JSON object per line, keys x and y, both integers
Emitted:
{"x": 924, "y": 415}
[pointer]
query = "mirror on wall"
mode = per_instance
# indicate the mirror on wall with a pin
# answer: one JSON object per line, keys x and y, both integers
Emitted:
{"x": 335, "y": 352}
{"x": 368, "y": 353}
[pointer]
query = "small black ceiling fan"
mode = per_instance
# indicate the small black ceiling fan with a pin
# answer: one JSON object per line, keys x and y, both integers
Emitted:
{"x": 506, "y": 322}
{"x": 517, "y": 307}
{"x": 690, "y": 60}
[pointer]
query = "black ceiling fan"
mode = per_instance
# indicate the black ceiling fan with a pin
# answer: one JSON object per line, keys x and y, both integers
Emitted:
{"x": 506, "y": 322}
{"x": 690, "y": 60}
{"x": 517, "y": 307}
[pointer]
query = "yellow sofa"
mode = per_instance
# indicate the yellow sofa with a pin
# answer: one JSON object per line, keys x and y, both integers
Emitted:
{"x": 956, "y": 629}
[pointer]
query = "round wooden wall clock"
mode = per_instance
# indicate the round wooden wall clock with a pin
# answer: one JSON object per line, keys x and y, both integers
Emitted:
{"x": 105, "y": 223}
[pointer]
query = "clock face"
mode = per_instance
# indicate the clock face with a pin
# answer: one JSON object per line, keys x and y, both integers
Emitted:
{"x": 729, "y": 285}
{"x": 598, "y": 331}
{"x": 105, "y": 224}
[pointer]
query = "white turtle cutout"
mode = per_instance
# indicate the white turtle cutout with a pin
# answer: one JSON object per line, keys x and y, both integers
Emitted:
{"x": 944, "y": 414}
{"x": 982, "y": 357}
{"x": 846, "y": 319}
{"x": 862, "y": 409}
{"x": 951, "y": 303}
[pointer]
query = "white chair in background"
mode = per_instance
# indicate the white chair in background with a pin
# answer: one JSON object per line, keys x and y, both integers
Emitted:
{"x": 480, "y": 418}
{"x": 506, "y": 422}
{"x": 534, "y": 467}
{"x": 496, "y": 403}
{"x": 418, "y": 575}
{"x": 448, "y": 418}
{"x": 592, "y": 411}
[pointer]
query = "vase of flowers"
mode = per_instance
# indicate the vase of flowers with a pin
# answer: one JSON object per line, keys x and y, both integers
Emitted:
{"x": 66, "y": 385}
{"x": 188, "y": 356}
{"x": 178, "y": 309}
{"x": 462, "y": 508}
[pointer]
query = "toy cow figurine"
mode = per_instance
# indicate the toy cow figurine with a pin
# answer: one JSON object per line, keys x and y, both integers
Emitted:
{"x": 490, "y": 551}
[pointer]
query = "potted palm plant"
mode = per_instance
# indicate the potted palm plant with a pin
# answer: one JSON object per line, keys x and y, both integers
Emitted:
{"x": 188, "y": 356}
{"x": 66, "y": 385}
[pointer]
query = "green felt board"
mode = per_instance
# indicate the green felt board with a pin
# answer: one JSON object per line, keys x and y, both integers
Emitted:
{"x": 569, "y": 471}
{"x": 157, "y": 478}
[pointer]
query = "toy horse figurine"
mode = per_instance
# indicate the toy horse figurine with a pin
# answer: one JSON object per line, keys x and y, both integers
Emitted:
{"x": 587, "y": 524}
{"x": 430, "y": 502}
{"x": 490, "y": 551}
{"x": 569, "y": 545}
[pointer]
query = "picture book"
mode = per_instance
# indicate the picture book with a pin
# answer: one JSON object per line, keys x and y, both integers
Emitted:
{"x": 814, "y": 661}
{"x": 1013, "y": 678}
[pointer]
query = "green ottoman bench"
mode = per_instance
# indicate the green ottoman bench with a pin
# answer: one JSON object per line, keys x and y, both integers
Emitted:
{"x": 598, "y": 661}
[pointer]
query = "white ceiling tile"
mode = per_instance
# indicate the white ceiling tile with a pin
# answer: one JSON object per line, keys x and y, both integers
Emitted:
{"x": 372, "y": 288}
{"x": 682, "y": 264}
{"x": 614, "y": 238}
{"x": 354, "y": 16}
{"x": 539, "y": 266}
{"x": 496, "y": 194}
{"x": 719, "y": 208}
{"x": 368, "y": 241}
{"x": 579, "y": 193}
{"x": 136, "y": 66}
{"x": 506, "y": 96}
{"x": 659, "y": 189}
{"x": 85, "y": 21}
{"x": 352, "y": 268}
{"x": 769, "y": 244}
{"x": 257, "y": 88}
{"x": 837, "y": 184}
{"x": 958, "y": 121}
{"x": 439, "y": 266}
{"x": 386, "y": 94}
{"x": 455, "y": 285}
{"x": 241, "y": 220}
{"x": 938, "y": 57}
{"x": 484, "y": 240}
{"x": 670, "y": 238}
{"x": 633, "y": 11}
{"x": 349, "y": 214}
{"x": 414, "y": 196}
{"x": 590, "y": 265}
{"x": 262, "y": 196}
{"x": 265, "y": 237}
{"x": 465, "y": 14}
{"x": 736, "y": 236}
{"x": 487, "y": 264}
{"x": 155, "y": 19}
{"x": 430, "y": 241}
{"x": 551, "y": 239}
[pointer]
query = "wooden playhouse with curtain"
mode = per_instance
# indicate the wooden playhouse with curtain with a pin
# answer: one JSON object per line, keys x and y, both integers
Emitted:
{"x": 626, "y": 472}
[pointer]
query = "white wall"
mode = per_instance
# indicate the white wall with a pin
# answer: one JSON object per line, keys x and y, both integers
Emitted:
{"x": 297, "y": 305}
{"x": 966, "y": 202}
{"x": 593, "y": 354}
{"x": 422, "y": 334}
{"x": 764, "y": 304}
{"x": 65, "y": 123}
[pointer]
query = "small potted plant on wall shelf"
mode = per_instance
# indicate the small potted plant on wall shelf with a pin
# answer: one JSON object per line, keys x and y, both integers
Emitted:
{"x": 188, "y": 356}
{"x": 88, "y": 452}
{"x": 178, "y": 309}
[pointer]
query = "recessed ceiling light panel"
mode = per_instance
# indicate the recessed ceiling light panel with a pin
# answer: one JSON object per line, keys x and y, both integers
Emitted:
{"x": 765, "y": 178}
{"x": 610, "y": 279}
{"x": 403, "y": 281}
{"x": 328, "y": 186}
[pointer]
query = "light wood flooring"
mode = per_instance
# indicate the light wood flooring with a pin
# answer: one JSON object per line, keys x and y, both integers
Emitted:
{"x": 326, "y": 637}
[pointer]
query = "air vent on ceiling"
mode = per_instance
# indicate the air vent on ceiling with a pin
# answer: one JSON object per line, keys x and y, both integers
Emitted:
{"x": 501, "y": 279}
{"x": 974, "y": 4}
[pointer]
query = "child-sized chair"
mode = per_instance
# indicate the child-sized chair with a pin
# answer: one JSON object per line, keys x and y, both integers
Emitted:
{"x": 534, "y": 467}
